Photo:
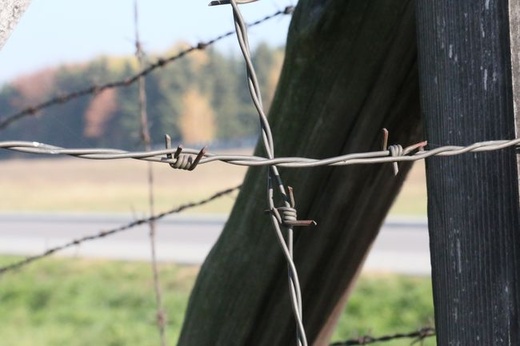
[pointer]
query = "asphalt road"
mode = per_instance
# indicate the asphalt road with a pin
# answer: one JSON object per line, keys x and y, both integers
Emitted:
{"x": 402, "y": 246}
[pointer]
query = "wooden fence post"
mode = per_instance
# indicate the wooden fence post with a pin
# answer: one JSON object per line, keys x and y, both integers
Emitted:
{"x": 350, "y": 70}
{"x": 473, "y": 201}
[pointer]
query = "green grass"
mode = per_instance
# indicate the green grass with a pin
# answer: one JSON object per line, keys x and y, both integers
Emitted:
{"x": 79, "y": 302}
{"x": 389, "y": 304}
{"x": 85, "y": 302}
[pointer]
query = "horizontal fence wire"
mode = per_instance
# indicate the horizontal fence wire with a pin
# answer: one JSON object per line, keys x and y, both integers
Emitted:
{"x": 197, "y": 157}
{"x": 103, "y": 234}
{"x": 417, "y": 336}
{"x": 188, "y": 159}
{"x": 161, "y": 62}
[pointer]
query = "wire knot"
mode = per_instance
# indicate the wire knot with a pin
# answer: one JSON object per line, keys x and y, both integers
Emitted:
{"x": 393, "y": 150}
{"x": 396, "y": 150}
{"x": 287, "y": 215}
{"x": 182, "y": 161}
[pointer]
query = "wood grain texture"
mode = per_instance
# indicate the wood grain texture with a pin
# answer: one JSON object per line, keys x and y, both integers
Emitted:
{"x": 473, "y": 202}
{"x": 350, "y": 70}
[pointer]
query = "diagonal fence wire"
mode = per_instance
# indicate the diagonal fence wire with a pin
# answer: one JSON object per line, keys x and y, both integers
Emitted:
{"x": 417, "y": 336}
{"x": 161, "y": 62}
{"x": 103, "y": 234}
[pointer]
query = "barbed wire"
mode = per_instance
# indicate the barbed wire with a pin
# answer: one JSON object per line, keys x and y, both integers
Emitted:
{"x": 418, "y": 336}
{"x": 161, "y": 62}
{"x": 142, "y": 102}
{"x": 183, "y": 158}
{"x": 188, "y": 159}
{"x": 284, "y": 216}
{"x": 103, "y": 234}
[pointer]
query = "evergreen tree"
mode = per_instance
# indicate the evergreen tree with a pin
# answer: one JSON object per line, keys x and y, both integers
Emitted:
{"x": 204, "y": 80}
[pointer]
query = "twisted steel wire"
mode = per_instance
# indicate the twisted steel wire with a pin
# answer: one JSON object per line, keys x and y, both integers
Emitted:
{"x": 418, "y": 336}
{"x": 273, "y": 177}
{"x": 102, "y": 234}
{"x": 161, "y": 62}
{"x": 161, "y": 156}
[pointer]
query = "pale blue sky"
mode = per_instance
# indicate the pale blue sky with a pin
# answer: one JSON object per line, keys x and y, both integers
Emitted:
{"x": 56, "y": 31}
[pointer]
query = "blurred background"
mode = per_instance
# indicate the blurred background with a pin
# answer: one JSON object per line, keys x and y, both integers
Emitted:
{"x": 104, "y": 296}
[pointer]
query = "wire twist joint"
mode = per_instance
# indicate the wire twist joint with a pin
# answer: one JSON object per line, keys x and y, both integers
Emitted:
{"x": 182, "y": 161}
{"x": 287, "y": 215}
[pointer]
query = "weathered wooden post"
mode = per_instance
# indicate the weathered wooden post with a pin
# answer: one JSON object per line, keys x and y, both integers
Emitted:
{"x": 473, "y": 202}
{"x": 350, "y": 70}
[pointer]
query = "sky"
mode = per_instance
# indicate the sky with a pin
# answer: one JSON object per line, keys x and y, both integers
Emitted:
{"x": 52, "y": 32}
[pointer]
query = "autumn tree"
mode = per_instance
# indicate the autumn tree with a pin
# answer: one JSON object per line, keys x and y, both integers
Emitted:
{"x": 197, "y": 121}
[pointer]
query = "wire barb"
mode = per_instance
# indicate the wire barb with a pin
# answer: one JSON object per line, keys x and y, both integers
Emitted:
{"x": 102, "y": 234}
{"x": 185, "y": 162}
{"x": 417, "y": 336}
{"x": 287, "y": 215}
{"x": 273, "y": 177}
{"x": 396, "y": 150}
{"x": 413, "y": 152}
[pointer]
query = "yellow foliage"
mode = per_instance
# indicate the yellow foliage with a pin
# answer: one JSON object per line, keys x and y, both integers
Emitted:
{"x": 199, "y": 58}
{"x": 197, "y": 121}
{"x": 118, "y": 64}
{"x": 33, "y": 87}
{"x": 273, "y": 77}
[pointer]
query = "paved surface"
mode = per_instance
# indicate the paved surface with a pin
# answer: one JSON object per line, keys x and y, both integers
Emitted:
{"x": 402, "y": 246}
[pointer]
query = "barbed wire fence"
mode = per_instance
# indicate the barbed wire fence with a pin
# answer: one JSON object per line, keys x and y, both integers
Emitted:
{"x": 284, "y": 217}
{"x": 106, "y": 233}
{"x": 147, "y": 142}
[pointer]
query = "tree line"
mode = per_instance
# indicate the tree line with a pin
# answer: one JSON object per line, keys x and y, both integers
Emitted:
{"x": 198, "y": 99}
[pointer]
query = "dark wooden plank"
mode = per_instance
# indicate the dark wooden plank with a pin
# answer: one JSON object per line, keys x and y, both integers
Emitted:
{"x": 473, "y": 202}
{"x": 350, "y": 70}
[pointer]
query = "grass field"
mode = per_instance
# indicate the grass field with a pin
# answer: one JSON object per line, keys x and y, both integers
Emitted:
{"x": 69, "y": 184}
{"x": 80, "y": 302}
{"x": 85, "y": 302}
